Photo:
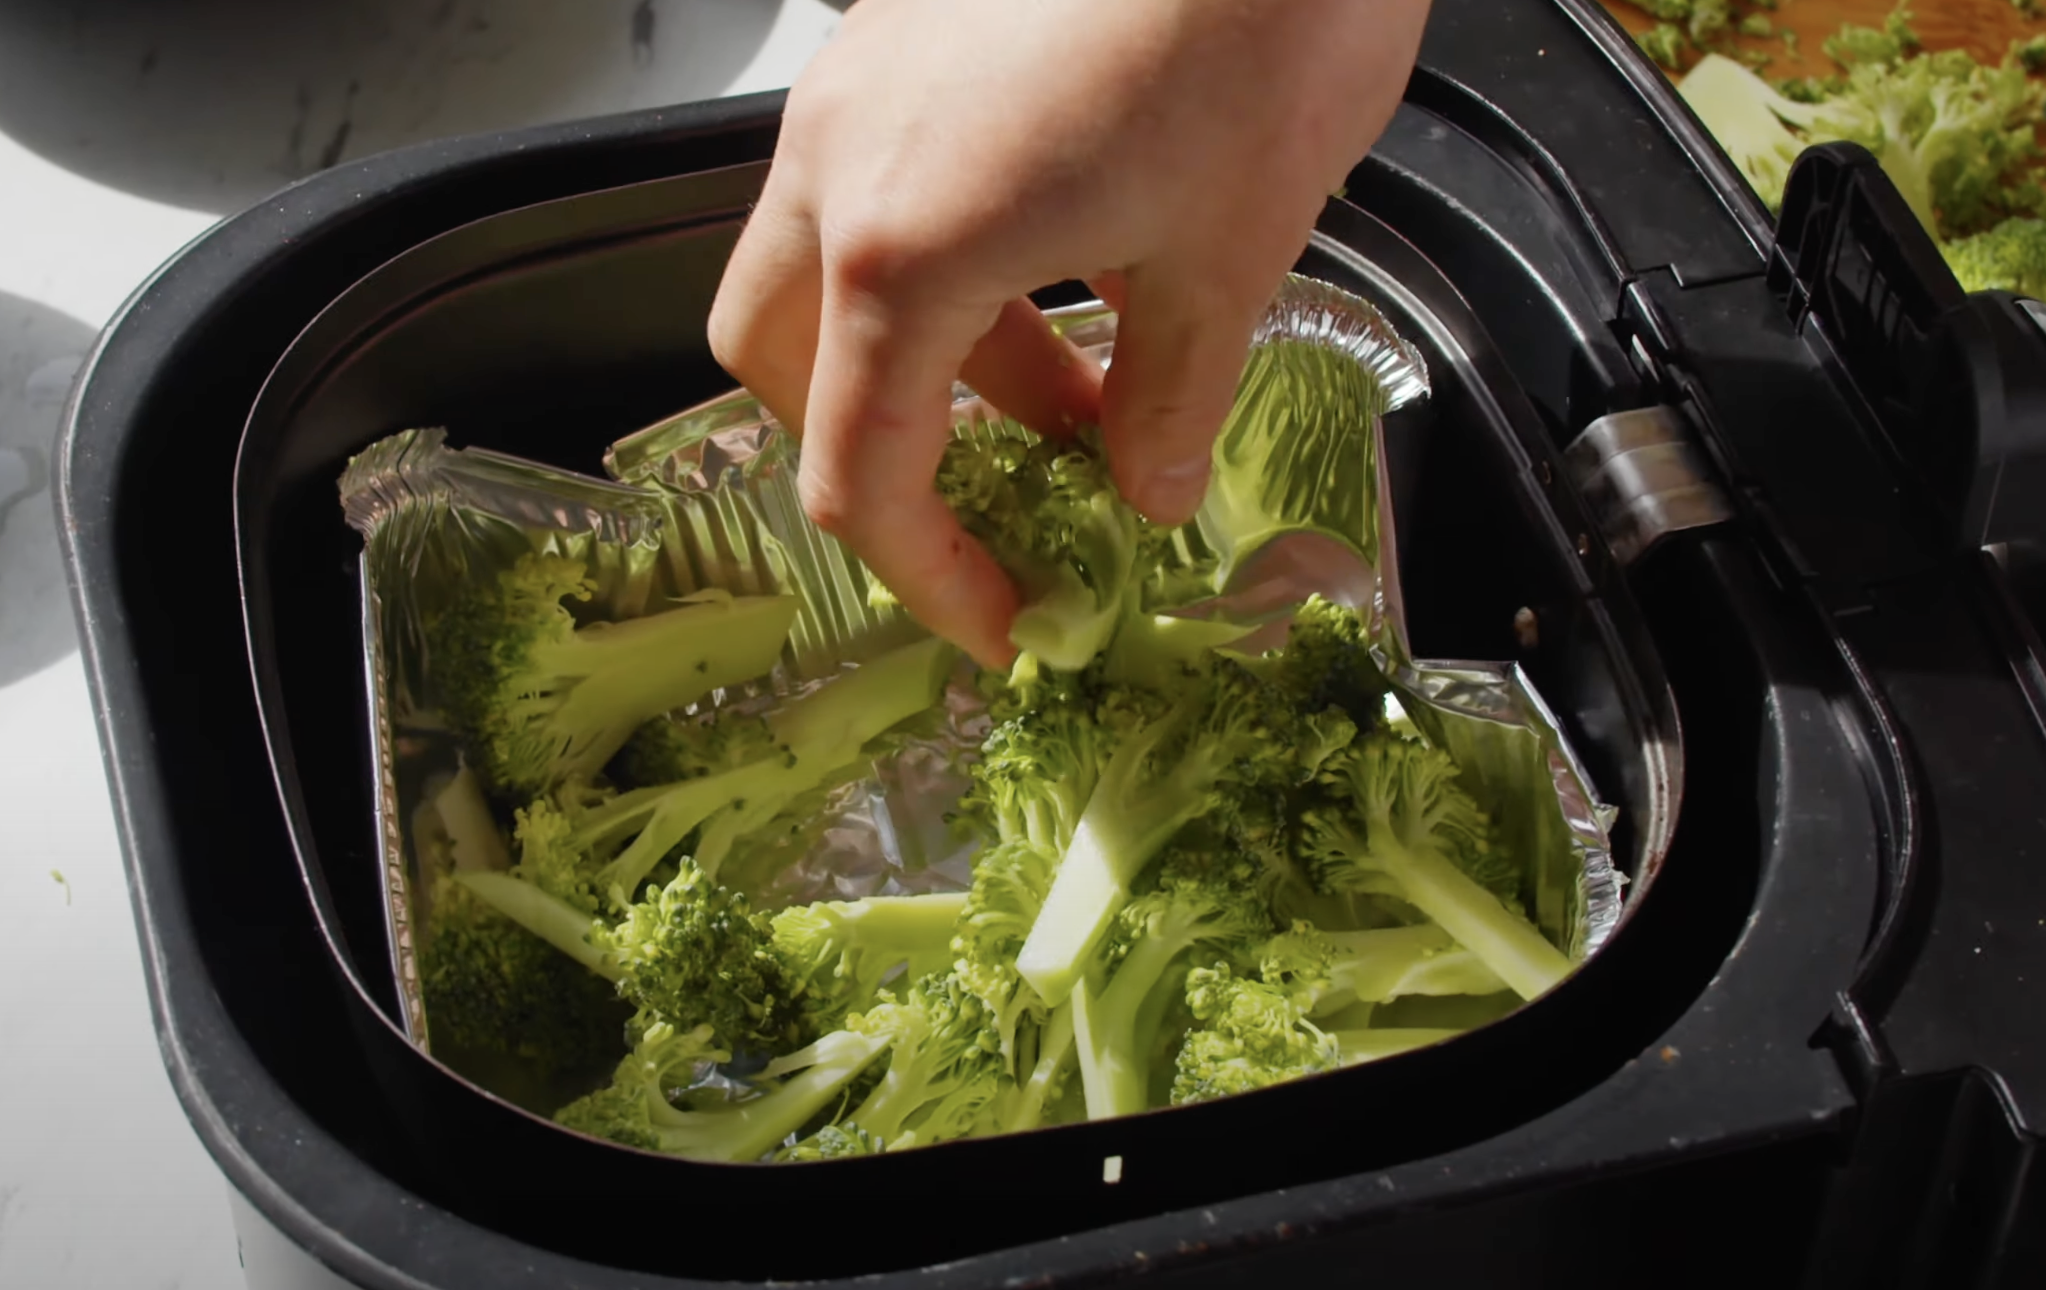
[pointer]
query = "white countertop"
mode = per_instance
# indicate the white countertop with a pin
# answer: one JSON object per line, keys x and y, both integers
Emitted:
{"x": 126, "y": 130}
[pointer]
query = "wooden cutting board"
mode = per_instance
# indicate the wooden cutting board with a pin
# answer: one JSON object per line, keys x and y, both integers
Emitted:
{"x": 1985, "y": 28}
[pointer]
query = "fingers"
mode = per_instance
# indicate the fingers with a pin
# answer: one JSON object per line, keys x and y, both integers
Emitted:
{"x": 1179, "y": 353}
{"x": 763, "y": 324}
{"x": 876, "y": 425}
{"x": 1033, "y": 374}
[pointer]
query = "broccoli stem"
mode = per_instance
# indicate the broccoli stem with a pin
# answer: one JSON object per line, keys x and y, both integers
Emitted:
{"x": 749, "y": 1130}
{"x": 1054, "y": 1050}
{"x": 679, "y": 808}
{"x": 1504, "y": 942}
{"x": 1358, "y": 1046}
{"x": 1073, "y": 622}
{"x": 633, "y": 670}
{"x": 1110, "y": 1032}
{"x": 472, "y": 833}
{"x": 1382, "y": 964}
{"x": 555, "y": 921}
{"x": 1124, "y": 825}
{"x": 822, "y": 732}
{"x": 1147, "y": 646}
{"x": 912, "y": 929}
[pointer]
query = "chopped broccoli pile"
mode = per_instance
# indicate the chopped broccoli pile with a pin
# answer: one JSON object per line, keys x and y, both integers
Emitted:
{"x": 1197, "y": 872}
{"x": 1958, "y": 138}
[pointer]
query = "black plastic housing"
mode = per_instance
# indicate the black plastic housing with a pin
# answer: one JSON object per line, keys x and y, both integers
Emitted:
{"x": 1790, "y": 1048}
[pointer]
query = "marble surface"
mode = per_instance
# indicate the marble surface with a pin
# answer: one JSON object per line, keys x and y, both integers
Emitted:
{"x": 127, "y": 127}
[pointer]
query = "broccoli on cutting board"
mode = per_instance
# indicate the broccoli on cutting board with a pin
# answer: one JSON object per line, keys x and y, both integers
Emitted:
{"x": 1958, "y": 136}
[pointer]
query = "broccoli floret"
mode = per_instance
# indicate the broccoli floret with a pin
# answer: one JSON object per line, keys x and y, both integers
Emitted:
{"x": 1709, "y": 20}
{"x": 944, "y": 1065}
{"x": 565, "y": 837}
{"x": 1049, "y": 513}
{"x": 1664, "y": 43}
{"x": 1250, "y": 1034}
{"x": 1748, "y": 119}
{"x": 672, "y": 748}
{"x": 492, "y": 989}
{"x": 2009, "y": 257}
{"x": 537, "y": 700}
{"x": 691, "y": 954}
{"x": 1044, "y": 753}
{"x": 635, "y": 1108}
{"x": 1667, "y": 10}
{"x": 1200, "y": 905}
{"x": 1956, "y": 138}
{"x": 833, "y": 1142}
{"x": 1328, "y": 663}
{"x": 1755, "y": 25}
{"x": 2029, "y": 54}
{"x": 696, "y": 954}
{"x": 841, "y": 951}
{"x": 1010, "y": 880}
{"x": 1231, "y": 731}
{"x": 1397, "y": 824}
{"x": 1855, "y": 46}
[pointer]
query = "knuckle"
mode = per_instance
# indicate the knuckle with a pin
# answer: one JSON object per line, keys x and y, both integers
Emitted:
{"x": 878, "y": 256}
{"x": 730, "y": 330}
{"x": 827, "y": 504}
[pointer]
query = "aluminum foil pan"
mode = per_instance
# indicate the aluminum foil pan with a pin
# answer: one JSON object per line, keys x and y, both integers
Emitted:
{"x": 707, "y": 498}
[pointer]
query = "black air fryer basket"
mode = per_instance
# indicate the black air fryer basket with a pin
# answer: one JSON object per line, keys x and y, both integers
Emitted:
{"x": 1776, "y": 502}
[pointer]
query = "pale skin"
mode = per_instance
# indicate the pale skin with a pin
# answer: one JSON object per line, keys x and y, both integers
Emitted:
{"x": 941, "y": 159}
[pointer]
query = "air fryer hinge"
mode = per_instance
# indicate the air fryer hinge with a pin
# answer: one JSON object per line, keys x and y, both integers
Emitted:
{"x": 1643, "y": 479}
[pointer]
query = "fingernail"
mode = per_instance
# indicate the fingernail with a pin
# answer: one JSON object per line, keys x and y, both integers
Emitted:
{"x": 1172, "y": 493}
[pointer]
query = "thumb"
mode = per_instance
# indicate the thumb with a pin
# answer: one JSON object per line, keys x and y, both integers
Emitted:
{"x": 1179, "y": 351}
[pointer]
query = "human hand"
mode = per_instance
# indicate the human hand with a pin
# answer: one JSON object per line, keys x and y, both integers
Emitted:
{"x": 941, "y": 159}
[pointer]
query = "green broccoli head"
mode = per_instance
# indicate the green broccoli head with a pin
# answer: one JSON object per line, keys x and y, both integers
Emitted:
{"x": 1202, "y": 907}
{"x": 1051, "y": 738}
{"x": 840, "y": 951}
{"x": 1010, "y": 880}
{"x": 637, "y": 1109}
{"x": 538, "y": 700}
{"x": 1049, "y": 513}
{"x": 1248, "y": 1035}
{"x": 2009, "y": 257}
{"x": 1395, "y": 823}
{"x": 629, "y": 1109}
{"x": 695, "y": 954}
{"x": 944, "y": 1069}
{"x": 834, "y": 1142}
{"x": 673, "y": 747}
{"x": 1664, "y": 43}
{"x": 1709, "y": 20}
{"x": 1402, "y": 792}
{"x": 2029, "y": 53}
{"x": 493, "y": 989}
{"x": 1232, "y": 735}
{"x": 1954, "y": 136}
